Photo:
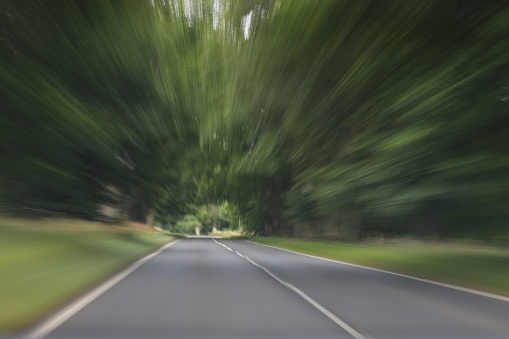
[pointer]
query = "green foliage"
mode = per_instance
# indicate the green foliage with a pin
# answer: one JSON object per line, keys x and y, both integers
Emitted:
{"x": 187, "y": 224}
{"x": 379, "y": 113}
{"x": 338, "y": 116}
{"x": 82, "y": 112}
{"x": 209, "y": 216}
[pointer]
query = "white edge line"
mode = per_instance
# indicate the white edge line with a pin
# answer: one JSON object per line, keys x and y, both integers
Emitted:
{"x": 454, "y": 287}
{"x": 310, "y": 300}
{"x": 57, "y": 319}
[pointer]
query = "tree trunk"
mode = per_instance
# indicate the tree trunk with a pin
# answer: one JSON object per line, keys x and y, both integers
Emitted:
{"x": 274, "y": 204}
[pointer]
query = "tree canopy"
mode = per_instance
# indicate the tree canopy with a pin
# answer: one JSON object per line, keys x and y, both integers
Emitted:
{"x": 322, "y": 118}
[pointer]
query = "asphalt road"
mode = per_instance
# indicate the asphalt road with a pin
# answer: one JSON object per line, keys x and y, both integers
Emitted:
{"x": 215, "y": 288}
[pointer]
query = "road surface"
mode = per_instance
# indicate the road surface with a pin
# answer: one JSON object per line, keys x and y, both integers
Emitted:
{"x": 216, "y": 288}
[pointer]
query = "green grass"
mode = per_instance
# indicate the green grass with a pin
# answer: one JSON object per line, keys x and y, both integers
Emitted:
{"x": 472, "y": 266}
{"x": 44, "y": 265}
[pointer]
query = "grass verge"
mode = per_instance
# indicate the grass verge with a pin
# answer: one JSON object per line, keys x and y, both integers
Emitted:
{"x": 478, "y": 267}
{"x": 46, "y": 264}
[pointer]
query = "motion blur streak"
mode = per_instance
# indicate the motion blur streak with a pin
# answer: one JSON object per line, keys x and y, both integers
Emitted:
{"x": 335, "y": 118}
{"x": 349, "y": 120}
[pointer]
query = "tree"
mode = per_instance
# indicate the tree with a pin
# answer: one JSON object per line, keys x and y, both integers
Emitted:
{"x": 187, "y": 224}
{"x": 329, "y": 118}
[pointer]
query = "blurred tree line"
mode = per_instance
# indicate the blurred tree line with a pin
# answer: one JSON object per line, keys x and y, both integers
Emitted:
{"x": 311, "y": 118}
{"x": 208, "y": 218}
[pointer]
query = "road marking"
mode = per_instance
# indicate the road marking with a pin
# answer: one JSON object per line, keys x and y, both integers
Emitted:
{"x": 217, "y": 242}
{"x": 354, "y": 333}
{"x": 454, "y": 287}
{"x": 67, "y": 312}
{"x": 314, "y": 303}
